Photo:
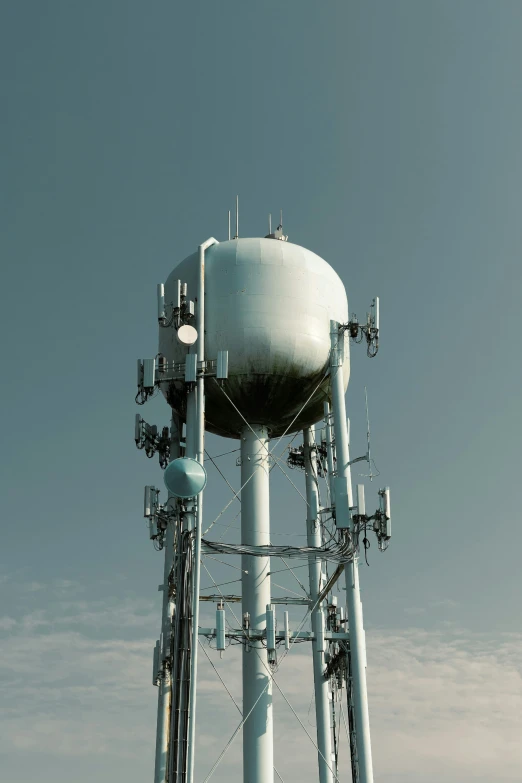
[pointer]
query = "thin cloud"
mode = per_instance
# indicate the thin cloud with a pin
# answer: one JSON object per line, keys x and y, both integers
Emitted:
{"x": 445, "y": 704}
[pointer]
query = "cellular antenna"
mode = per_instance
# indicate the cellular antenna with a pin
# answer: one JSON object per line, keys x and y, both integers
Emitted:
{"x": 229, "y": 225}
{"x": 278, "y": 233}
{"x": 237, "y": 218}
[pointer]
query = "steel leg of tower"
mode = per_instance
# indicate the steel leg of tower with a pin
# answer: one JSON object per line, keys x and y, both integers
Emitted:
{"x": 195, "y": 436}
{"x": 162, "y": 728}
{"x": 165, "y": 686}
{"x": 330, "y": 451}
{"x": 199, "y": 443}
{"x": 322, "y": 705}
{"x": 164, "y": 694}
{"x": 353, "y": 598}
{"x": 258, "y": 740}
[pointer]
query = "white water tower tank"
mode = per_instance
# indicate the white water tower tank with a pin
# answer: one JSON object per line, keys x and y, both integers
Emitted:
{"x": 269, "y": 304}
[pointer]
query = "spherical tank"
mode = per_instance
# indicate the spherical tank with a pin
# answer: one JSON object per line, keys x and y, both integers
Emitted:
{"x": 269, "y": 304}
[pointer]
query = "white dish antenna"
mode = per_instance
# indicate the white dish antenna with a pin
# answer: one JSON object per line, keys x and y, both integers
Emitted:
{"x": 187, "y": 335}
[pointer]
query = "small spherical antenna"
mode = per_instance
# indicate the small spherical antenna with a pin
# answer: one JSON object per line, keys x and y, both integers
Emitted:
{"x": 185, "y": 477}
{"x": 187, "y": 335}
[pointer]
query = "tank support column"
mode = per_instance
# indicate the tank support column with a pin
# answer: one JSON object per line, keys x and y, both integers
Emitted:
{"x": 353, "y": 597}
{"x": 165, "y": 685}
{"x": 198, "y": 444}
{"x": 258, "y": 740}
{"x": 313, "y": 529}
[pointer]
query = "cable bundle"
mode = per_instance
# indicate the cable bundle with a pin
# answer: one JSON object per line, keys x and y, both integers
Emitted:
{"x": 339, "y": 553}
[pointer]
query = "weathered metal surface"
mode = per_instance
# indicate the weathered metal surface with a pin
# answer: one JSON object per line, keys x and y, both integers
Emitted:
{"x": 269, "y": 304}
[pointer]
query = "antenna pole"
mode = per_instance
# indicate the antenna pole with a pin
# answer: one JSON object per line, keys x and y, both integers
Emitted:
{"x": 229, "y": 225}
{"x": 330, "y": 451}
{"x": 315, "y": 573}
{"x": 353, "y": 596}
{"x": 237, "y": 218}
{"x": 165, "y": 684}
{"x": 368, "y": 432}
{"x": 199, "y": 445}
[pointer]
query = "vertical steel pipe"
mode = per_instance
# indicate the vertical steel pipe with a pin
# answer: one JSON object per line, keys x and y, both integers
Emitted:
{"x": 258, "y": 741}
{"x": 199, "y": 445}
{"x": 353, "y": 598}
{"x": 191, "y": 428}
{"x": 165, "y": 691}
{"x": 199, "y": 442}
{"x": 165, "y": 685}
{"x": 330, "y": 451}
{"x": 315, "y": 568}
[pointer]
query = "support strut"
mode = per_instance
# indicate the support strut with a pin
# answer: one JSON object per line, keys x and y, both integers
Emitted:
{"x": 313, "y": 529}
{"x": 353, "y": 598}
{"x": 258, "y": 739}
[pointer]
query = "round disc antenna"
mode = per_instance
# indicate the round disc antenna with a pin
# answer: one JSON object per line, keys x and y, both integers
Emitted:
{"x": 187, "y": 334}
{"x": 185, "y": 477}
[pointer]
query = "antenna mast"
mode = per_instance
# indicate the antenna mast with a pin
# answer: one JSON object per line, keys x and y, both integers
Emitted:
{"x": 368, "y": 432}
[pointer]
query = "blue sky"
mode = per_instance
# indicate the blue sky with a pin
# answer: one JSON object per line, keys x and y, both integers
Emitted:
{"x": 390, "y": 133}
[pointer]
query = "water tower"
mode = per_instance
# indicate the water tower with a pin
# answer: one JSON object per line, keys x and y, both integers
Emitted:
{"x": 254, "y": 340}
